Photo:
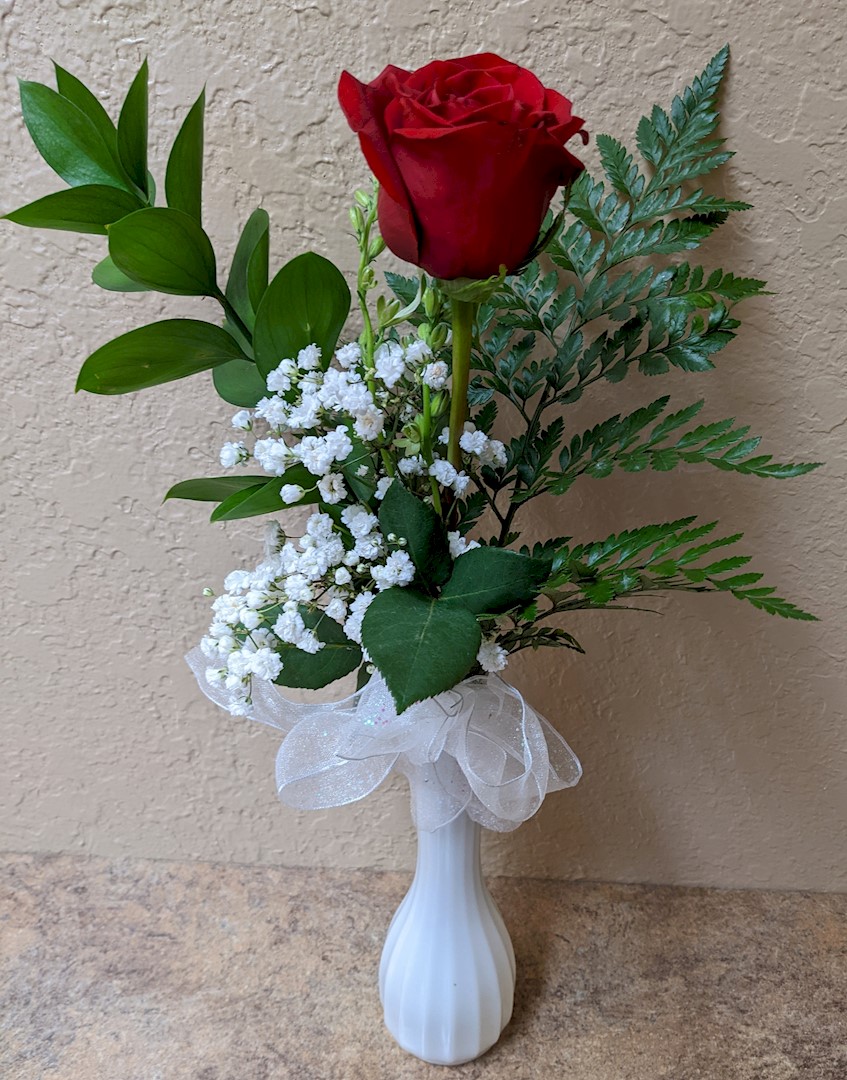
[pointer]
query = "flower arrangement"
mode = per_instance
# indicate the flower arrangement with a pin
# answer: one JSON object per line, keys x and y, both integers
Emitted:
{"x": 410, "y": 562}
{"x": 394, "y": 487}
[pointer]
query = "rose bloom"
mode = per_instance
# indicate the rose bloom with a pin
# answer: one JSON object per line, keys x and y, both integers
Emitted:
{"x": 468, "y": 154}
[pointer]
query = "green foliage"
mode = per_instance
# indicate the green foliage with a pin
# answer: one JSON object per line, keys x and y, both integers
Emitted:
{"x": 671, "y": 556}
{"x": 624, "y": 443}
{"x": 359, "y": 471}
{"x": 264, "y": 497}
{"x": 213, "y": 488}
{"x": 158, "y": 353}
{"x": 132, "y": 131}
{"x": 667, "y": 316}
{"x": 308, "y": 301}
{"x": 165, "y": 250}
{"x": 240, "y": 383}
{"x": 421, "y": 645}
{"x": 184, "y": 173}
{"x": 492, "y": 580}
{"x": 107, "y": 276}
{"x": 70, "y": 87}
{"x": 71, "y": 143}
{"x": 538, "y": 637}
{"x": 311, "y": 671}
{"x": 85, "y": 209}
{"x": 404, "y": 515}
{"x": 248, "y": 277}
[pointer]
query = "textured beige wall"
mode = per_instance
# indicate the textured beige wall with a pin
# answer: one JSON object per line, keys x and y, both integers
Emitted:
{"x": 714, "y": 738}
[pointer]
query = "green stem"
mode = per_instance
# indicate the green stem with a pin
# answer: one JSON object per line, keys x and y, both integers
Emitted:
{"x": 426, "y": 445}
{"x": 463, "y": 314}
{"x": 234, "y": 317}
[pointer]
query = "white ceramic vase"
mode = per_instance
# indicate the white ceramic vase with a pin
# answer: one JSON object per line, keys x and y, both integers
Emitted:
{"x": 447, "y": 974}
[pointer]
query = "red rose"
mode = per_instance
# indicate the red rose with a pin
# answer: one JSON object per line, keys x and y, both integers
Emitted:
{"x": 468, "y": 154}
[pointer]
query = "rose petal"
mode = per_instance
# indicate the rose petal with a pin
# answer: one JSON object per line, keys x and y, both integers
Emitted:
{"x": 480, "y": 192}
{"x": 364, "y": 106}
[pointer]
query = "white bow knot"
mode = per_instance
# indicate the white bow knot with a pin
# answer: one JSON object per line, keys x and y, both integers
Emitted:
{"x": 477, "y": 748}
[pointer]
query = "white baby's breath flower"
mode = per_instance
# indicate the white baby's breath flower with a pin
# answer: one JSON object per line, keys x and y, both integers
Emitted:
{"x": 309, "y": 358}
{"x": 473, "y": 442}
{"x": 349, "y": 355}
{"x": 297, "y": 588}
{"x": 389, "y": 363}
{"x": 243, "y": 421}
{"x": 291, "y": 493}
{"x": 273, "y": 455}
{"x": 460, "y": 483}
{"x": 289, "y": 626}
{"x": 382, "y": 486}
{"x": 249, "y": 618}
{"x": 353, "y": 622}
{"x": 265, "y": 664}
{"x": 491, "y": 656}
{"x": 215, "y": 676}
{"x": 494, "y": 454}
{"x": 417, "y": 352}
{"x": 369, "y": 423}
{"x": 398, "y": 569}
{"x": 336, "y": 609}
{"x": 275, "y": 410}
{"x": 435, "y": 374}
{"x": 332, "y": 488}
{"x": 309, "y": 642}
{"x": 279, "y": 380}
{"x": 233, "y": 453}
{"x": 459, "y": 545}
{"x": 411, "y": 466}
{"x": 443, "y": 472}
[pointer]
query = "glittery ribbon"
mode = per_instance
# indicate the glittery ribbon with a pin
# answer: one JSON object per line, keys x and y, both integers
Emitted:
{"x": 477, "y": 748}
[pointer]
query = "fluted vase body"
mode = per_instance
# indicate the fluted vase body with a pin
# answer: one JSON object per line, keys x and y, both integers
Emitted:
{"x": 447, "y": 973}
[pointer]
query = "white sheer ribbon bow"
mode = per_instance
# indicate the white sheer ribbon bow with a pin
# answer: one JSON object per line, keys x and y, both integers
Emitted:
{"x": 478, "y": 747}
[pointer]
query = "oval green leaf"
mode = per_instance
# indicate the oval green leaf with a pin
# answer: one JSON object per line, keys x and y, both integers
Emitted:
{"x": 86, "y": 209}
{"x": 489, "y": 579}
{"x": 165, "y": 250}
{"x": 403, "y": 514}
{"x": 311, "y": 671}
{"x": 107, "y": 276}
{"x": 420, "y": 645}
{"x": 248, "y": 277}
{"x": 78, "y": 94}
{"x": 265, "y": 498}
{"x": 158, "y": 353}
{"x": 184, "y": 173}
{"x": 239, "y": 383}
{"x": 132, "y": 130}
{"x": 213, "y": 488}
{"x": 306, "y": 303}
{"x": 68, "y": 139}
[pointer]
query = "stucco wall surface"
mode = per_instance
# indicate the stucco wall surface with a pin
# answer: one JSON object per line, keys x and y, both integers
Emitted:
{"x": 714, "y": 738}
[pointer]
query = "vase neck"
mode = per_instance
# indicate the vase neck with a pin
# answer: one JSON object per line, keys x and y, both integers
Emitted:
{"x": 451, "y": 854}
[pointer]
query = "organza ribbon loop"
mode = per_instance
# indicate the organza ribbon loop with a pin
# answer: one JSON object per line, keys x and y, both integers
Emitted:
{"x": 478, "y": 747}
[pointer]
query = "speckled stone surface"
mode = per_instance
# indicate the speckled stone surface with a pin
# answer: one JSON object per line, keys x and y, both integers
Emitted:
{"x": 141, "y": 970}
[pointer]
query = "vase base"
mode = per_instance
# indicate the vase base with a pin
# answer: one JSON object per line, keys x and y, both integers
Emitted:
{"x": 444, "y": 1060}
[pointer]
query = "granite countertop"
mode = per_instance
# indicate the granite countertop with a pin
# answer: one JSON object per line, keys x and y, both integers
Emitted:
{"x": 142, "y": 970}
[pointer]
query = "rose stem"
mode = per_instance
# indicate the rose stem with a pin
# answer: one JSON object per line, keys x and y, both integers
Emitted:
{"x": 463, "y": 314}
{"x": 426, "y": 445}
